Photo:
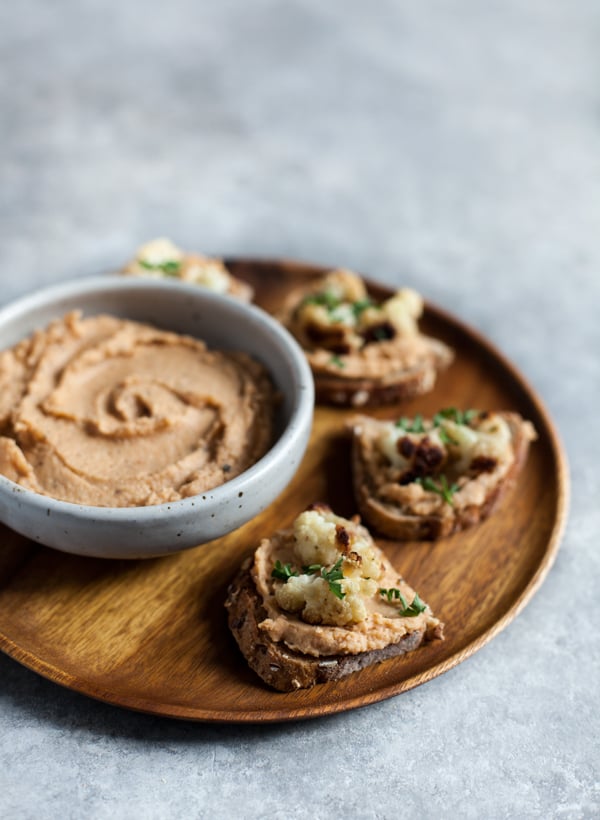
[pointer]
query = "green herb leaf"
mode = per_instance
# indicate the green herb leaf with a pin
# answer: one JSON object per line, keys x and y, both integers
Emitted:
{"x": 443, "y": 489}
{"x": 407, "y": 610}
{"x": 333, "y": 577}
{"x": 390, "y": 593}
{"x": 453, "y": 414}
{"x": 445, "y": 437}
{"x": 169, "y": 268}
{"x": 414, "y": 426}
{"x": 327, "y": 298}
{"x": 362, "y": 304}
{"x": 282, "y": 571}
{"x": 414, "y": 609}
{"x": 337, "y": 361}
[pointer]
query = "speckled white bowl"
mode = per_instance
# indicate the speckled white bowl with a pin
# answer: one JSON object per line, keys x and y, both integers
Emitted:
{"x": 223, "y": 323}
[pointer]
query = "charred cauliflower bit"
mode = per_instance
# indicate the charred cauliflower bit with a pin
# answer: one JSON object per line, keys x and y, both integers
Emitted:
{"x": 161, "y": 258}
{"x": 328, "y": 546}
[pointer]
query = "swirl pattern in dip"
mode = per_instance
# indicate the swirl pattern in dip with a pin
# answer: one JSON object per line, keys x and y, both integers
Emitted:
{"x": 110, "y": 412}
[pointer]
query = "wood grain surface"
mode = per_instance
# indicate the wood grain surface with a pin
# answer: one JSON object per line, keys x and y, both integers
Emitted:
{"x": 152, "y": 636}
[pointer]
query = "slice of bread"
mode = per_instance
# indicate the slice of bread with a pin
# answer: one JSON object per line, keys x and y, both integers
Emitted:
{"x": 440, "y": 485}
{"x": 363, "y": 353}
{"x": 295, "y": 632}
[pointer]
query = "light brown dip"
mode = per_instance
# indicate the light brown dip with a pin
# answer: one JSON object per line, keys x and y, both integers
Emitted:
{"x": 109, "y": 412}
{"x": 381, "y": 627}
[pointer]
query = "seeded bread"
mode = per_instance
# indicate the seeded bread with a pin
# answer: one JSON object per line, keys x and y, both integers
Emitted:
{"x": 299, "y": 623}
{"x": 284, "y": 669}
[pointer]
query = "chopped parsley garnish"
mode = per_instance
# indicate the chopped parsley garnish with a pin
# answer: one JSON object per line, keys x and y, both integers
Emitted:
{"x": 453, "y": 414}
{"x": 333, "y": 576}
{"x": 282, "y": 571}
{"x": 327, "y": 298}
{"x": 407, "y": 610}
{"x": 337, "y": 361}
{"x": 362, "y": 304}
{"x": 414, "y": 426}
{"x": 446, "y": 437}
{"x": 170, "y": 268}
{"x": 443, "y": 489}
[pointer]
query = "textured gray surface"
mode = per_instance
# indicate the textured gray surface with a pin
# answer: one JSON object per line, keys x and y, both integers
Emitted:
{"x": 453, "y": 145}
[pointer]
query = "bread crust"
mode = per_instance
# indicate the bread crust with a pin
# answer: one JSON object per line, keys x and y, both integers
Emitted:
{"x": 342, "y": 392}
{"x": 389, "y": 521}
{"x": 285, "y": 669}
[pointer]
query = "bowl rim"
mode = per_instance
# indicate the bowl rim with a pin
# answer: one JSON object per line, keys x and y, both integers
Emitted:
{"x": 302, "y": 400}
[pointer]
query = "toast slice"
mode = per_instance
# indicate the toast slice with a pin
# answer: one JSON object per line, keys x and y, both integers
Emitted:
{"x": 161, "y": 258}
{"x": 363, "y": 353}
{"x": 418, "y": 479}
{"x": 320, "y": 601}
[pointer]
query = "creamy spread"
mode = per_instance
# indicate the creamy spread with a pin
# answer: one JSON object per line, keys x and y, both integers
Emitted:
{"x": 109, "y": 412}
{"x": 303, "y": 610}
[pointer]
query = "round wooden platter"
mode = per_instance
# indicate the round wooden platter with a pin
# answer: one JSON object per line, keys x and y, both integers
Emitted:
{"x": 152, "y": 635}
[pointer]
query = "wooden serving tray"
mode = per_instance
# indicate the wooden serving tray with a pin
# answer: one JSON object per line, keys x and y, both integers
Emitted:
{"x": 152, "y": 635}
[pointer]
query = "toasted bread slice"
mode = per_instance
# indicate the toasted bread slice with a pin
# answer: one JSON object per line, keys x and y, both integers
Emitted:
{"x": 396, "y": 385}
{"x": 444, "y": 478}
{"x": 363, "y": 353}
{"x": 298, "y": 626}
{"x": 161, "y": 258}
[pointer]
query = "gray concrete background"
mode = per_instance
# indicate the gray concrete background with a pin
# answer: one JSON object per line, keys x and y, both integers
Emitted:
{"x": 452, "y": 145}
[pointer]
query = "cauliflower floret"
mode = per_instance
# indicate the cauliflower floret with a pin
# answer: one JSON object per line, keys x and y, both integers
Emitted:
{"x": 312, "y": 598}
{"x": 462, "y": 435}
{"x": 361, "y": 561}
{"x": 315, "y": 537}
{"x": 346, "y": 285}
{"x": 344, "y": 570}
{"x": 491, "y": 439}
{"x": 293, "y": 595}
{"x": 387, "y": 443}
{"x": 321, "y": 537}
{"x": 158, "y": 251}
{"x": 211, "y": 273}
{"x": 403, "y": 310}
{"x": 342, "y": 314}
{"x": 494, "y": 432}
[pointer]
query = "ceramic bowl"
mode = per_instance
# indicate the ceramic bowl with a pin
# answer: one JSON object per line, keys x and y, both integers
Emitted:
{"x": 223, "y": 323}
